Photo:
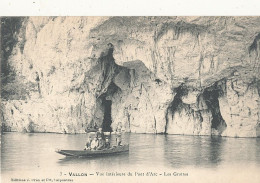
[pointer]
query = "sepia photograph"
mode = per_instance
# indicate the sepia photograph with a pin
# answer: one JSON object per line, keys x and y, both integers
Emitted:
{"x": 130, "y": 99}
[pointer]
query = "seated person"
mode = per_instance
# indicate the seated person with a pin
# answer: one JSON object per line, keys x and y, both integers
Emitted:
{"x": 107, "y": 143}
{"x": 88, "y": 144}
{"x": 118, "y": 140}
{"x": 94, "y": 144}
{"x": 101, "y": 143}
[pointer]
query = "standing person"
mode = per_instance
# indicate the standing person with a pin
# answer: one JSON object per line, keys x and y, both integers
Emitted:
{"x": 119, "y": 134}
{"x": 88, "y": 144}
{"x": 100, "y": 133}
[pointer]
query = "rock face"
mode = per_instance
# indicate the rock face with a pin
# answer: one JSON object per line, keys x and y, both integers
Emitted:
{"x": 240, "y": 107}
{"x": 175, "y": 75}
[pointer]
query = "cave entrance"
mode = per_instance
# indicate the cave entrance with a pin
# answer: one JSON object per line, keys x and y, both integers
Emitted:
{"x": 211, "y": 99}
{"x": 106, "y": 125}
{"x": 106, "y": 99}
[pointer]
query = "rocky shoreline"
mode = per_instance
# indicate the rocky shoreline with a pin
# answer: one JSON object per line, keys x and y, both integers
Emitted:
{"x": 173, "y": 75}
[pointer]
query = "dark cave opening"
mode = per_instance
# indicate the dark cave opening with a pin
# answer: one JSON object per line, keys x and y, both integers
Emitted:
{"x": 180, "y": 91}
{"x": 176, "y": 103}
{"x": 10, "y": 28}
{"x": 107, "y": 100}
{"x": 107, "y": 121}
{"x": 211, "y": 99}
{"x": 210, "y": 95}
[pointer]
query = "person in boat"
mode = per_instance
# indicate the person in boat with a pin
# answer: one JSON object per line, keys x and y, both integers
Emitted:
{"x": 119, "y": 134}
{"x": 107, "y": 143}
{"x": 88, "y": 144}
{"x": 100, "y": 133}
{"x": 94, "y": 144}
{"x": 101, "y": 144}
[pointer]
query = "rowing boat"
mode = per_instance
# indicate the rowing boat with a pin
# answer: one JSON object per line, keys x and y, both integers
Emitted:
{"x": 94, "y": 153}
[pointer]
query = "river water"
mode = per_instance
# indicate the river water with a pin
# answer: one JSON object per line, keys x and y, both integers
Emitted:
{"x": 28, "y": 154}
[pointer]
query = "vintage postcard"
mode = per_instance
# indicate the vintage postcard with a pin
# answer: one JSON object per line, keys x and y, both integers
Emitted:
{"x": 130, "y": 99}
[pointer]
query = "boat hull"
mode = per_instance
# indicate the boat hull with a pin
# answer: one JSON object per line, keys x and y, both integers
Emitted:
{"x": 95, "y": 153}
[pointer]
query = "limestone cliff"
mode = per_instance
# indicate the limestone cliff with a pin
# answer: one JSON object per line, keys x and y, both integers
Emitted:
{"x": 175, "y": 75}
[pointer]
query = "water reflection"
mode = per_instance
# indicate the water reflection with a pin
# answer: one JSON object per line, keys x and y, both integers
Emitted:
{"x": 244, "y": 151}
{"x": 216, "y": 149}
{"x": 202, "y": 151}
{"x": 37, "y": 152}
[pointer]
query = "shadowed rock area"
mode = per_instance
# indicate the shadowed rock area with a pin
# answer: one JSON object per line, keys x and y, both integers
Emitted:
{"x": 175, "y": 75}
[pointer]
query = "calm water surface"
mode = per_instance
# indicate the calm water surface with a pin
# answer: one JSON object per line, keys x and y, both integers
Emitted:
{"x": 27, "y": 152}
